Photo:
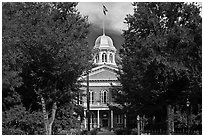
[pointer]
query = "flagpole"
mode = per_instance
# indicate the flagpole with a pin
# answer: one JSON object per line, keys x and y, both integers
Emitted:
{"x": 103, "y": 22}
{"x": 103, "y": 25}
{"x": 104, "y": 12}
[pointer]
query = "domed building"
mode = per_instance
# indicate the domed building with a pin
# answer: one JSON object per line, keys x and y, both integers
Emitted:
{"x": 103, "y": 111}
{"x": 104, "y": 51}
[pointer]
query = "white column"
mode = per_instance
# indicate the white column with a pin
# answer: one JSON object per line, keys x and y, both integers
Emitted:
{"x": 111, "y": 119}
{"x": 85, "y": 119}
{"x": 125, "y": 120}
{"x": 100, "y": 57}
{"x": 95, "y": 58}
{"x": 108, "y": 60}
{"x": 98, "y": 120}
{"x": 113, "y": 57}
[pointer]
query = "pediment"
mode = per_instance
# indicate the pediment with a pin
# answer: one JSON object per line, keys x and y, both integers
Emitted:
{"x": 103, "y": 74}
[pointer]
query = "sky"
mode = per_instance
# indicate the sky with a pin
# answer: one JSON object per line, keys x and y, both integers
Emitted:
{"x": 113, "y": 20}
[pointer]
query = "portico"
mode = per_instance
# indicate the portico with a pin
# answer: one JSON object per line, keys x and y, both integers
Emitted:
{"x": 100, "y": 119}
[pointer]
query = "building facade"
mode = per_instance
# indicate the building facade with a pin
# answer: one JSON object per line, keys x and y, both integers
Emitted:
{"x": 103, "y": 114}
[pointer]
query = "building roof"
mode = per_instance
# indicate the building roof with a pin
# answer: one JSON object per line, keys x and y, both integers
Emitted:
{"x": 104, "y": 42}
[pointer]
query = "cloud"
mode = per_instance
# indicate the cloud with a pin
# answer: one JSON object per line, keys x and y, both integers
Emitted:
{"x": 114, "y": 19}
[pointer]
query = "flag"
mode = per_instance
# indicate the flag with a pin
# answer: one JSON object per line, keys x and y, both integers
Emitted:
{"x": 105, "y": 10}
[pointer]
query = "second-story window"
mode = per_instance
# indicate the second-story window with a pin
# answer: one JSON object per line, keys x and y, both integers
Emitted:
{"x": 111, "y": 58}
{"x": 104, "y": 96}
{"x": 104, "y": 57}
{"x": 97, "y": 58}
{"x": 91, "y": 93}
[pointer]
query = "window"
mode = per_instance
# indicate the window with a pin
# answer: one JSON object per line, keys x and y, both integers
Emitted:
{"x": 119, "y": 119}
{"x": 97, "y": 58}
{"x": 104, "y": 96}
{"x": 104, "y": 57}
{"x": 111, "y": 58}
{"x": 91, "y": 93}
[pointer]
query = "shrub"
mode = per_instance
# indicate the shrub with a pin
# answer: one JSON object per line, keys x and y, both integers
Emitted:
{"x": 134, "y": 131}
{"x": 71, "y": 131}
{"x": 62, "y": 132}
{"x": 119, "y": 131}
{"x": 19, "y": 121}
{"x": 93, "y": 131}
{"x": 74, "y": 131}
{"x": 84, "y": 132}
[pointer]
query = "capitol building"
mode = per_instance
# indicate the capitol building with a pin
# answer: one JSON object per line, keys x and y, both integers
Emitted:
{"x": 103, "y": 113}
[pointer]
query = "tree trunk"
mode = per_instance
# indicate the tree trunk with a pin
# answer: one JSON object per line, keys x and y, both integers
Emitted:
{"x": 48, "y": 121}
{"x": 49, "y": 131}
{"x": 45, "y": 115}
{"x": 170, "y": 119}
{"x": 52, "y": 118}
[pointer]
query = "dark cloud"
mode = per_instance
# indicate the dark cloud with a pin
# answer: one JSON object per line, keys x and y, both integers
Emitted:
{"x": 114, "y": 19}
{"x": 96, "y": 31}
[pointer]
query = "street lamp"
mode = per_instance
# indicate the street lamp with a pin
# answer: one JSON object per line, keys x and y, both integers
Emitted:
{"x": 79, "y": 118}
{"x": 138, "y": 124}
{"x": 188, "y": 113}
{"x": 87, "y": 91}
{"x": 187, "y": 103}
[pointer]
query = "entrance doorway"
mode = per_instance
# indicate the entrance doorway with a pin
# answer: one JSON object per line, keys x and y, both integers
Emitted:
{"x": 105, "y": 123}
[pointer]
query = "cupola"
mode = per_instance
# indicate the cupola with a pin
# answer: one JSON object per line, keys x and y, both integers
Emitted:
{"x": 104, "y": 51}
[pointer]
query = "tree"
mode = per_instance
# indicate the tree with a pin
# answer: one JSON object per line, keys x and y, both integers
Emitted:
{"x": 161, "y": 58}
{"x": 66, "y": 119}
{"x": 50, "y": 42}
{"x": 20, "y": 121}
{"x": 12, "y": 60}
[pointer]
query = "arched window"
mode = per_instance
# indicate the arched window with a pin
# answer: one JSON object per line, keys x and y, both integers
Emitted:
{"x": 111, "y": 58}
{"x": 97, "y": 58}
{"x": 104, "y": 57}
{"x": 91, "y": 93}
{"x": 104, "y": 96}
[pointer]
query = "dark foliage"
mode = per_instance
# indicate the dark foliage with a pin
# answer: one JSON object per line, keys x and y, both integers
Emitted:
{"x": 19, "y": 121}
{"x": 44, "y": 51}
{"x": 161, "y": 58}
